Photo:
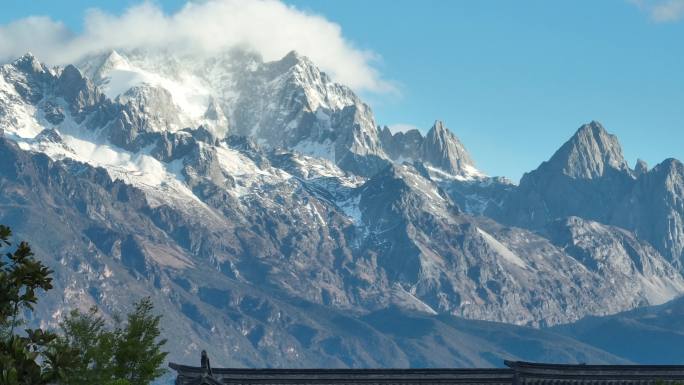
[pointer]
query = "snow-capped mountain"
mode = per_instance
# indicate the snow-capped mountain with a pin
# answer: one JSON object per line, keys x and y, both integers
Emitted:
{"x": 288, "y": 103}
{"x": 260, "y": 204}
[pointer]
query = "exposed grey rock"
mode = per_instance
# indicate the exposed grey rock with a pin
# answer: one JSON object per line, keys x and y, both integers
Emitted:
{"x": 443, "y": 149}
{"x": 30, "y": 79}
{"x": 293, "y": 237}
{"x": 477, "y": 196}
{"x": 585, "y": 178}
{"x": 640, "y": 168}
{"x": 78, "y": 92}
{"x": 589, "y": 154}
{"x": 654, "y": 209}
{"x": 153, "y": 106}
{"x": 215, "y": 113}
{"x": 54, "y": 113}
{"x": 402, "y": 146}
{"x": 439, "y": 148}
{"x": 618, "y": 255}
{"x": 589, "y": 178}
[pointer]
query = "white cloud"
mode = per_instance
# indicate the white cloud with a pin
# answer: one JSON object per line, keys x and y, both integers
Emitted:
{"x": 402, "y": 127}
{"x": 267, "y": 26}
{"x": 662, "y": 11}
{"x": 672, "y": 10}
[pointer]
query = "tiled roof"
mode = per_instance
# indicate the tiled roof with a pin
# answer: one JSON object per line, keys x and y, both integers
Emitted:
{"x": 517, "y": 373}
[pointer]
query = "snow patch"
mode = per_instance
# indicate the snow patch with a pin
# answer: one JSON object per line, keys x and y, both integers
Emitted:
{"x": 246, "y": 173}
{"x": 352, "y": 210}
{"x": 325, "y": 149}
{"x": 658, "y": 290}
{"x": 189, "y": 92}
{"x": 501, "y": 249}
{"x": 469, "y": 174}
{"x": 406, "y": 300}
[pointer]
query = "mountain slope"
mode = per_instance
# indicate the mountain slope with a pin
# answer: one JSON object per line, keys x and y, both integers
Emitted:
{"x": 204, "y": 299}
{"x": 587, "y": 177}
{"x": 257, "y": 203}
{"x": 650, "y": 335}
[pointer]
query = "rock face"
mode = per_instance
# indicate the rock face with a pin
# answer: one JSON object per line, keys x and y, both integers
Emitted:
{"x": 439, "y": 148}
{"x": 588, "y": 177}
{"x": 654, "y": 209}
{"x": 618, "y": 254}
{"x": 640, "y": 168}
{"x": 259, "y": 204}
{"x": 443, "y": 149}
{"x": 583, "y": 178}
{"x": 590, "y": 154}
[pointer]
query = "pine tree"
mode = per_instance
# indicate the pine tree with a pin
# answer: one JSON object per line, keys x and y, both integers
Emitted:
{"x": 138, "y": 354}
{"x": 127, "y": 354}
{"x": 85, "y": 334}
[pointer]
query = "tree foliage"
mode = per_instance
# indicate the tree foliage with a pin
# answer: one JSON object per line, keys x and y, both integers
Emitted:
{"x": 131, "y": 353}
{"x": 86, "y": 351}
{"x": 25, "y": 357}
{"x": 138, "y": 355}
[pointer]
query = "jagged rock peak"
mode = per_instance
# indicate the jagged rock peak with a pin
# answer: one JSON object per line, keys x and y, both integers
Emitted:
{"x": 641, "y": 167}
{"x": 293, "y": 61}
{"x": 671, "y": 167}
{"x": 72, "y": 82}
{"x": 589, "y": 153}
{"x": 214, "y": 111}
{"x": 110, "y": 60}
{"x": 29, "y": 63}
{"x": 109, "y": 57}
{"x": 442, "y": 149}
{"x": 293, "y": 58}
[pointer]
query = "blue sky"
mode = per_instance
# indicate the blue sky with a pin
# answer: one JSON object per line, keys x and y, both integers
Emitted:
{"x": 513, "y": 80}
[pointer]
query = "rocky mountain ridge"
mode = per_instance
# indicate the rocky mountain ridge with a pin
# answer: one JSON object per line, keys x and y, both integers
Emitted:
{"x": 589, "y": 178}
{"x": 240, "y": 193}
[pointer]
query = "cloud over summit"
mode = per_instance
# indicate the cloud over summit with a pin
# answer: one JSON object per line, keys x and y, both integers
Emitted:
{"x": 267, "y": 26}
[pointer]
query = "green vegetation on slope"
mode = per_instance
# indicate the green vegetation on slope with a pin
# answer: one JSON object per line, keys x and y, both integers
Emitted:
{"x": 86, "y": 351}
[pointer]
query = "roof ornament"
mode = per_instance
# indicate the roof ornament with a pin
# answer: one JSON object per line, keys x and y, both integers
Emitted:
{"x": 206, "y": 366}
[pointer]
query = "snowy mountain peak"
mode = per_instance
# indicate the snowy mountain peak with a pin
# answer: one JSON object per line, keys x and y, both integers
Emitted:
{"x": 294, "y": 58}
{"x": 28, "y": 56}
{"x": 29, "y": 63}
{"x": 295, "y": 63}
{"x": 589, "y": 153}
{"x": 102, "y": 65}
{"x": 288, "y": 103}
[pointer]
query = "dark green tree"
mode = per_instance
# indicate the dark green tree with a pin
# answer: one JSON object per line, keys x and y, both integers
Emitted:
{"x": 87, "y": 351}
{"x": 26, "y": 356}
{"x": 138, "y": 354}
{"x": 127, "y": 354}
{"x": 93, "y": 345}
